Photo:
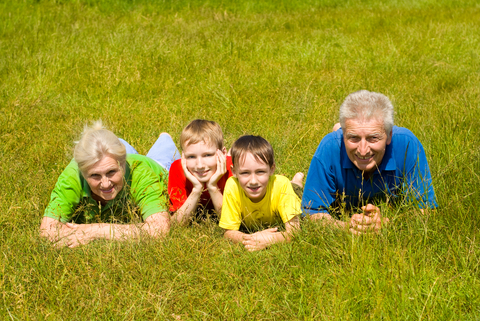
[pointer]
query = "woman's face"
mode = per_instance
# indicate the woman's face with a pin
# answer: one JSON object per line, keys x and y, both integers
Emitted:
{"x": 105, "y": 179}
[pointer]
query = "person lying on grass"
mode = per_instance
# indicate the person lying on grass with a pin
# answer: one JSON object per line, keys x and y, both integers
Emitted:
{"x": 366, "y": 159}
{"x": 196, "y": 182}
{"x": 103, "y": 187}
{"x": 255, "y": 198}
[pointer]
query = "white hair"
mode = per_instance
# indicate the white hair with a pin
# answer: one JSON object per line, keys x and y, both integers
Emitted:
{"x": 365, "y": 105}
{"x": 96, "y": 143}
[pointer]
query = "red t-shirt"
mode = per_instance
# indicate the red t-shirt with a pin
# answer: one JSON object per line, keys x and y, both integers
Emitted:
{"x": 179, "y": 187}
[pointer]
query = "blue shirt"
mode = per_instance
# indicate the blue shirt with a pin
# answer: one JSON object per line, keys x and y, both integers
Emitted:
{"x": 333, "y": 179}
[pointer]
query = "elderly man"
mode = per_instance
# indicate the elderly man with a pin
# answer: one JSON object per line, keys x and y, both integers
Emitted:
{"x": 366, "y": 161}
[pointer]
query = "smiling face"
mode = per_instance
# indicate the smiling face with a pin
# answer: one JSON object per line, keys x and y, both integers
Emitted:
{"x": 105, "y": 179}
{"x": 253, "y": 176}
{"x": 365, "y": 142}
{"x": 201, "y": 160}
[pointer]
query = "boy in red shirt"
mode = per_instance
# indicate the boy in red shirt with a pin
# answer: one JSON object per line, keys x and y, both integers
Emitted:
{"x": 198, "y": 178}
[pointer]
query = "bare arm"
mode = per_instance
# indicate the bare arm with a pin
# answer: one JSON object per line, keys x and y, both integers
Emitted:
{"x": 234, "y": 236}
{"x": 326, "y": 218}
{"x": 184, "y": 214}
{"x": 370, "y": 221}
{"x": 212, "y": 186}
{"x": 263, "y": 239}
{"x": 72, "y": 235}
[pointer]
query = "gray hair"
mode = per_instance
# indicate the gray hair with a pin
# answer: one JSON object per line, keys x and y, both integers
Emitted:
{"x": 364, "y": 104}
{"x": 96, "y": 143}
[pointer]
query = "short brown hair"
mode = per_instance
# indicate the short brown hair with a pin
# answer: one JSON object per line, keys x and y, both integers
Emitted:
{"x": 201, "y": 130}
{"x": 257, "y": 145}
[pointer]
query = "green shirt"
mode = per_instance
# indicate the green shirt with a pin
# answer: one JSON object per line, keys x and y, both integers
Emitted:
{"x": 144, "y": 193}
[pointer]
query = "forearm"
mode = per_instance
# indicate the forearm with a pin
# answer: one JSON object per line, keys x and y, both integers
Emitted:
{"x": 326, "y": 218}
{"x": 156, "y": 225}
{"x": 90, "y": 232}
{"x": 217, "y": 199}
{"x": 56, "y": 231}
{"x": 234, "y": 236}
{"x": 277, "y": 237}
{"x": 263, "y": 239}
{"x": 291, "y": 227}
{"x": 72, "y": 235}
{"x": 184, "y": 214}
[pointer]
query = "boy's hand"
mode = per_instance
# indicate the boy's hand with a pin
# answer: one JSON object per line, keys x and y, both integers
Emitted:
{"x": 197, "y": 185}
{"x": 221, "y": 169}
{"x": 368, "y": 222}
{"x": 260, "y": 240}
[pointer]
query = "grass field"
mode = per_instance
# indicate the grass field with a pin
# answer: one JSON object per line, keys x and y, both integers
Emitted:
{"x": 279, "y": 69}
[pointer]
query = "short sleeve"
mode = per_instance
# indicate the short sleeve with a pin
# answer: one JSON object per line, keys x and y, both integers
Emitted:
{"x": 418, "y": 179}
{"x": 231, "y": 217}
{"x": 66, "y": 195}
{"x": 288, "y": 202}
{"x": 320, "y": 186}
{"x": 149, "y": 189}
{"x": 177, "y": 183}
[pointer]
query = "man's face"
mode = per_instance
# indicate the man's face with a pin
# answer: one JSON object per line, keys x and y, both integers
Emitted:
{"x": 365, "y": 142}
{"x": 105, "y": 179}
{"x": 253, "y": 177}
{"x": 201, "y": 160}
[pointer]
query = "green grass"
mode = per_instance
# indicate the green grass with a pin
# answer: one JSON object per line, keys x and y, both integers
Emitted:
{"x": 279, "y": 69}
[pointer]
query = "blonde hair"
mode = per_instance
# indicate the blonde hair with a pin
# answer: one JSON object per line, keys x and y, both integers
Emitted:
{"x": 257, "y": 145}
{"x": 364, "y": 104}
{"x": 201, "y": 130}
{"x": 96, "y": 143}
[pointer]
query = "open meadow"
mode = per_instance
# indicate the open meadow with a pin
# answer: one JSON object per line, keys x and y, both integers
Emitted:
{"x": 276, "y": 68}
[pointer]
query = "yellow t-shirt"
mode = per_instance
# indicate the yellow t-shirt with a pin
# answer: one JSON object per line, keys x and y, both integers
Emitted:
{"x": 280, "y": 204}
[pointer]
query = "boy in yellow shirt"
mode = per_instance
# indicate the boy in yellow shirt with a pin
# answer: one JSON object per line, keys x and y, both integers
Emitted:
{"x": 256, "y": 199}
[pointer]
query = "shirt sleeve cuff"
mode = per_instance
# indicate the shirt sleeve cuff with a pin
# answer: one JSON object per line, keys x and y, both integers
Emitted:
{"x": 232, "y": 227}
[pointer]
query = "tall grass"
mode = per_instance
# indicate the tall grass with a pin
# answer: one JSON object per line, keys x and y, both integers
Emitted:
{"x": 278, "y": 69}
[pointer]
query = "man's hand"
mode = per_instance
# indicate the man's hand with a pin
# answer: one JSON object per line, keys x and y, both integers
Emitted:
{"x": 221, "y": 170}
{"x": 197, "y": 185}
{"x": 260, "y": 240}
{"x": 370, "y": 221}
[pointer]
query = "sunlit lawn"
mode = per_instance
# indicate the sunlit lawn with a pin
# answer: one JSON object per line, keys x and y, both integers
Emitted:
{"x": 279, "y": 69}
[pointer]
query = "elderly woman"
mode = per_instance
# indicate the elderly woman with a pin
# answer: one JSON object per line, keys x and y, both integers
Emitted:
{"x": 104, "y": 186}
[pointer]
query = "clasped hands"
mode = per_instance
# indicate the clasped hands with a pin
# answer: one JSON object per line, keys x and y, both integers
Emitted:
{"x": 260, "y": 240}
{"x": 370, "y": 221}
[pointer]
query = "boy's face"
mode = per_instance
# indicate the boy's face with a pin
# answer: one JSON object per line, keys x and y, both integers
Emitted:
{"x": 201, "y": 160}
{"x": 253, "y": 177}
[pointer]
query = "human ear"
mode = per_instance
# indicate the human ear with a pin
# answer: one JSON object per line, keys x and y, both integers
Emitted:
{"x": 232, "y": 169}
{"x": 389, "y": 139}
{"x": 224, "y": 150}
{"x": 272, "y": 169}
